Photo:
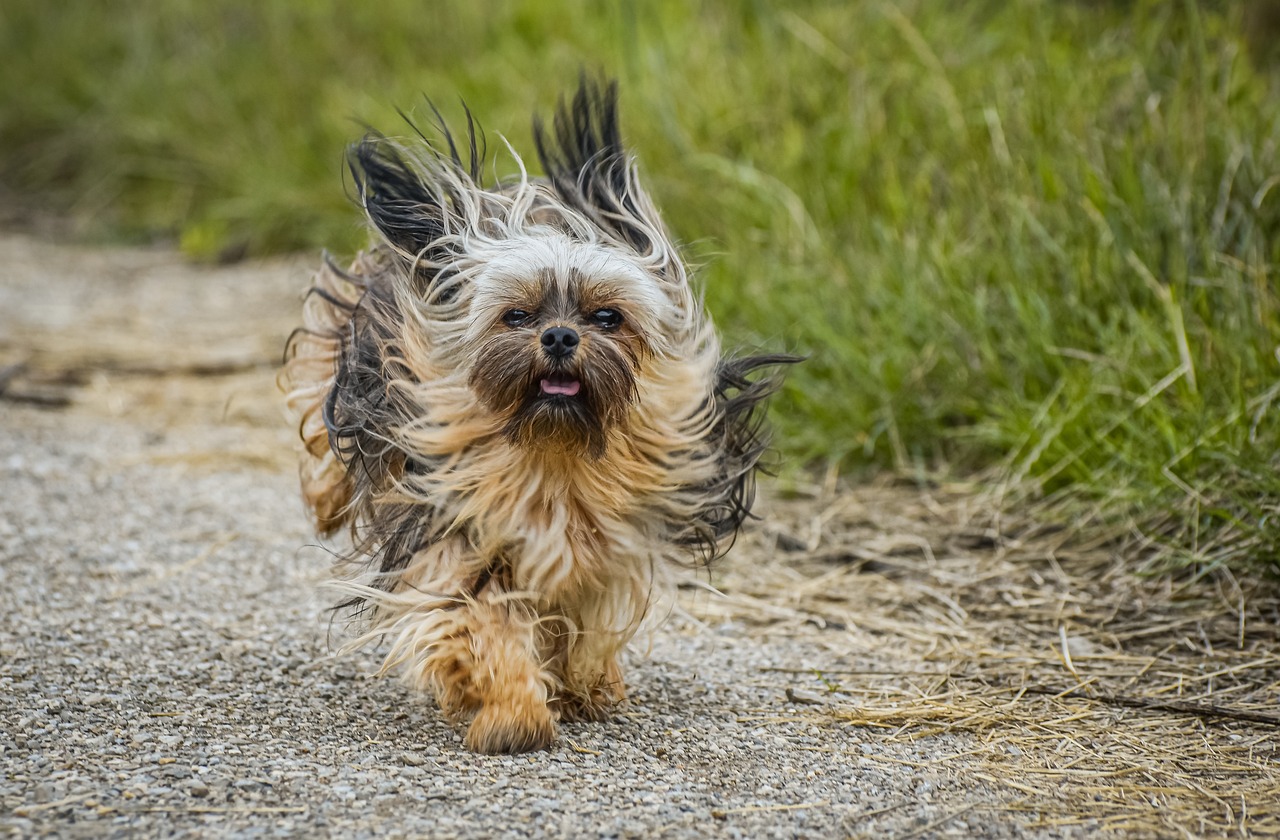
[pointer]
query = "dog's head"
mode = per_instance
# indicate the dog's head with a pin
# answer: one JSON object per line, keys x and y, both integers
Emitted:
{"x": 551, "y": 298}
{"x": 560, "y": 331}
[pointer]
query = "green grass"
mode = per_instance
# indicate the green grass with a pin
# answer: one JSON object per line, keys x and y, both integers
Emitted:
{"x": 1038, "y": 235}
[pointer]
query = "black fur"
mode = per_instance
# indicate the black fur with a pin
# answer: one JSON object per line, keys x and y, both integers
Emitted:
{"x": 410, "y": 210}
{"x": 361, "y": 408}
{"x": 586, "y": 163}
{"x": 741, "y": 431}
{"x": 407, "y": 210}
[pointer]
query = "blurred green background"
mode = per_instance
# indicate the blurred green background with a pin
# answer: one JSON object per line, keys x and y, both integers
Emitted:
{"x": 1032, "y": 239}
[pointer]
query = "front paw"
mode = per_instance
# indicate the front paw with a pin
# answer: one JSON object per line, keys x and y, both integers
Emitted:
{"x": 497, "y": 729}
{"x": 593, "y": 707}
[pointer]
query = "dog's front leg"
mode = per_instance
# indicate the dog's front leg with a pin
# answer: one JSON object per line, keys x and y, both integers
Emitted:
{"x": 589, "y": 676}
{"x": 592, "y": 684}
{"x": 484, "y": 660}
{"x": 505, "y": 677}
{"x": 458, "y": 632}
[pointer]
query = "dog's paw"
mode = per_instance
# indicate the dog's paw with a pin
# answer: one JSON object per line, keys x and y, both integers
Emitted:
{"x": 593, "y": 701}
{"x": 596, "y": 707}
{"x": 501, "y": 730}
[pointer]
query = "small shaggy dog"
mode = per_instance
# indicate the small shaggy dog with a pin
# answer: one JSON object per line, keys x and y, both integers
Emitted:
{"x": 517, "y": 404}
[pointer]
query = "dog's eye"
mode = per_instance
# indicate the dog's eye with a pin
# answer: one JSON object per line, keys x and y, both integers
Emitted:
{"x": 515, "y": 317}
{"x": 609, "y": 319}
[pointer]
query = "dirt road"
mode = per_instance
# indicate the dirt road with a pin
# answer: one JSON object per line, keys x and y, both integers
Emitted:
{"x": 879, "y": 662}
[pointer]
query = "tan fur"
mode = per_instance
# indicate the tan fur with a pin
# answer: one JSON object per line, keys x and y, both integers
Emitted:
{"x": 572, "y": 532}
{"x": 542, "y": 547}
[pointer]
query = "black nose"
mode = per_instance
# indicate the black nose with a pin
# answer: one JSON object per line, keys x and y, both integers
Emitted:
{"x": 559, "y": 342}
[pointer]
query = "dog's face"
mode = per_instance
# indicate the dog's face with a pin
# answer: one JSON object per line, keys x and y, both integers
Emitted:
{"x": 559, "y": 337}
{"x": 560, "y": 301}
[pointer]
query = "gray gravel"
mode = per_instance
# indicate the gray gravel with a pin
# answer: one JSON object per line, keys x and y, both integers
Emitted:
{"x": 164, "y": 647}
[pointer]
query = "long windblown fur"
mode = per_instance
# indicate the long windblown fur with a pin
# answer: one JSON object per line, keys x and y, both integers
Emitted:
{"x": 517, "y": 405}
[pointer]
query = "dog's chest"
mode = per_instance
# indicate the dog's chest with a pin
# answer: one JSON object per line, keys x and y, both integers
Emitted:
{"x": 561, "y": 528}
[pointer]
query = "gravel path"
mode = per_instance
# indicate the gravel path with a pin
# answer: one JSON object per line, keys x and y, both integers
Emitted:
{"x": 164, "y": 645}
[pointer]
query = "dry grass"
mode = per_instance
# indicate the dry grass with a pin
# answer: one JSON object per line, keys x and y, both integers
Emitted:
{"x": 1093, "y": 697}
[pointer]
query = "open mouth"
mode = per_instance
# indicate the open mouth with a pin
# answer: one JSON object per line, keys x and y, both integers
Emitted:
{"x": 559, "y": 385}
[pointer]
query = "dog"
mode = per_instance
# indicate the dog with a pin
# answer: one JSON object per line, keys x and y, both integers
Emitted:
{"x": 516, "y": 402}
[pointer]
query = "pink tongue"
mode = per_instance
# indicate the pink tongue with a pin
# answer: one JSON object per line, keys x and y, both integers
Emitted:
{"x": 567, "y": 389}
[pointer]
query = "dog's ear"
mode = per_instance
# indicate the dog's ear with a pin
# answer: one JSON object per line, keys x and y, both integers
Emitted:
{"x": 415, "y": 201}
{"x": 583, "y": 157}
{"x": 398, "y": 201}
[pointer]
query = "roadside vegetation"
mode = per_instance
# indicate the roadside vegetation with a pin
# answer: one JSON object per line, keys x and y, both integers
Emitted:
{"x": 1032, "y": 240}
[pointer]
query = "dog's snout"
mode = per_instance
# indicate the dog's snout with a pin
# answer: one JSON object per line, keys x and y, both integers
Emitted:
{"x": 559, "y": 342}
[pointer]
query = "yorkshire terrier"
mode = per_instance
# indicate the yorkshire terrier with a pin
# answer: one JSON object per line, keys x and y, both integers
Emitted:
{"x": 518, "y": 405}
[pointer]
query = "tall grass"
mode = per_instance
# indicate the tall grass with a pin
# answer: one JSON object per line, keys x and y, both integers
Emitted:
{"x": 1040, "y": 235}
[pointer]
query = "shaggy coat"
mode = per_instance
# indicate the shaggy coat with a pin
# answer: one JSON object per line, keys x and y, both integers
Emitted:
{"x": 519, "y": 408}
